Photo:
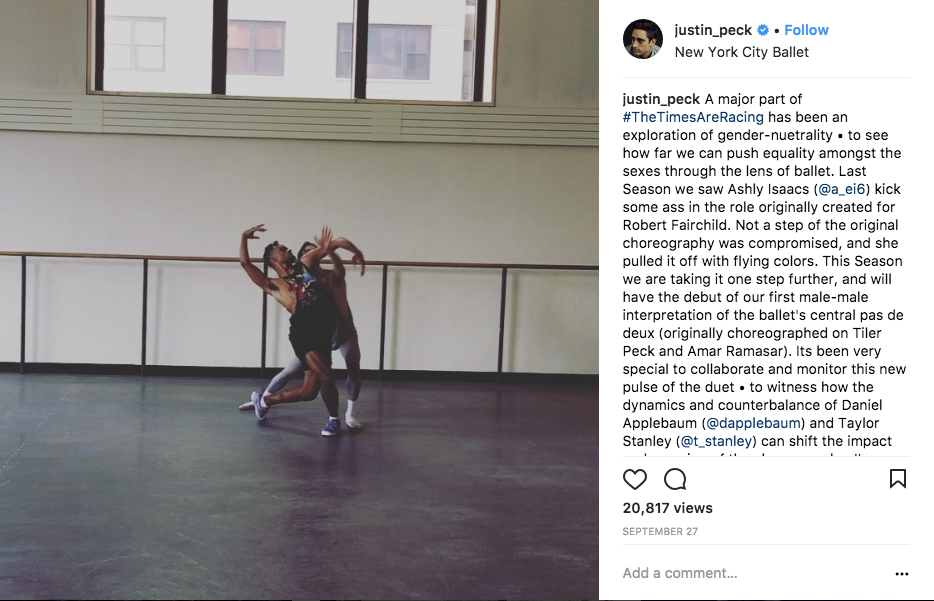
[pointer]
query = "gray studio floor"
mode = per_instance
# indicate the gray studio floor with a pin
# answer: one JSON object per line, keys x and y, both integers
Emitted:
{"x": 158, "y": 488}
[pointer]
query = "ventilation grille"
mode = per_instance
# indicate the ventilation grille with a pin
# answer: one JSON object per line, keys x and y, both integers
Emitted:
{"x": 309, "y": 120}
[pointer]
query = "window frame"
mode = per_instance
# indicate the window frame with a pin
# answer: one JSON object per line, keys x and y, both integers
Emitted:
{"x": 95, "y": 80}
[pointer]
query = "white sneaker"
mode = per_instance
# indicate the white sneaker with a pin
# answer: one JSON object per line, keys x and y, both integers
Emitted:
{"x": 352, "y": 422}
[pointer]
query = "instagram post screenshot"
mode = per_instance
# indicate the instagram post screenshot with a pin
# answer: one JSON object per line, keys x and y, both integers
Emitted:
{"x": 765, "y": 309}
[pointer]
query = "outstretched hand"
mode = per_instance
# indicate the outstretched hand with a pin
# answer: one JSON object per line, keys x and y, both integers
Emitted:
{"x": 324, "y": 240}
{"x": 250, "y": 234}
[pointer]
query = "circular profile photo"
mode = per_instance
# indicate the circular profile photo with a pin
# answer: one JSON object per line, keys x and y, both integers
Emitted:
{"x": 643, "y": 39}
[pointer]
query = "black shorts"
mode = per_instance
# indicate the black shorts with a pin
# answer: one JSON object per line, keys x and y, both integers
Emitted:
{"x": 311, "y": 330}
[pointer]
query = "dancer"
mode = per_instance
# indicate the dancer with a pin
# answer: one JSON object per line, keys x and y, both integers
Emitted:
{"x": 300, "y": 289}
{"x": 345, "y": 333}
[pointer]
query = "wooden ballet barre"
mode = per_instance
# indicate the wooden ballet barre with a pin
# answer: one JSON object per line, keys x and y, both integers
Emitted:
{"x": 503, "y": 267}
{"x": 451, "y": 265}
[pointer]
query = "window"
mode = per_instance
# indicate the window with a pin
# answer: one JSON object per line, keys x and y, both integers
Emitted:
{"x": 398, "y": 51}
{"x": 134, "y": 44}
{"x": 421, "y": 50}
{"x": 255, "y": 48}
{"x": 393, "y": 51}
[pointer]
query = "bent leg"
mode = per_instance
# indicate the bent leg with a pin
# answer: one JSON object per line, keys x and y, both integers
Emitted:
{"x": 322, "y": 371}
{"x": 351, "y": 352}
{"x": 292, "y": 370}
{"x": 306, "y": 392}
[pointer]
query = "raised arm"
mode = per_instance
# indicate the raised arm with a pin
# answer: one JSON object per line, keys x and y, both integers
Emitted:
{"x": 357, "y": 255}
{"x": 312, "y": 258}
{"x": 252, "y": 270}
{"x": 338, "y": 272}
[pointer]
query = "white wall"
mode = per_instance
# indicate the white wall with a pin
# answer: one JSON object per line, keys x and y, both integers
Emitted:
{"x": 397, "y": 201}
{"x": 9, "y": 305}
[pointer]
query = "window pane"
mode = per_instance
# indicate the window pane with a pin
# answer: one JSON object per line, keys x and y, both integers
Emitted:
{"x": 117, "y": 31}
{"x": 268, "y": 37}
{"x": 149, "y": 33}
{"x": 238, "y": 60}
{"x": 267, "y": 62}
{"x": 384, "y": 52}
{"x": 167, "y": 46}
{"x": 418, "y": 49}
{"x": 238, "y": 35}
{"x": 344, "y": 49}
{"x": 416, "y": 66}
{"x": 386, "y": 42}
{"x": 385, "y": 56}
{"x": 149, "y": 57}
{"x": 301, "y": 34}
{"x": 418, "y": 39}
{"x": 117, "y": 57}
{"x": 345, "y": 37}
{"x": 470, "y": 56}
{"x": 344, "y": 64}
{"x": 263, "y": 39}
{"x": 412, "y": 30}
{"x": 438, "y": 53}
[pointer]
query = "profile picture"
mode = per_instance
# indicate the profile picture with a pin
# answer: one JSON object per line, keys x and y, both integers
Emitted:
{"x": 643, "y": 38}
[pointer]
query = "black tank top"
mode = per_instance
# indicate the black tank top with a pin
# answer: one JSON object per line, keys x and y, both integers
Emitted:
{"x": 306, "y": 287}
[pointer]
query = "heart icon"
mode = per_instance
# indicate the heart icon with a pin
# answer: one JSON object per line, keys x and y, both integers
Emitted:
{"x": 635, "y": 478}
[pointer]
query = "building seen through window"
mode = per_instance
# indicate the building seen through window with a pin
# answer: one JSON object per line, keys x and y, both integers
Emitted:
{"x": 416, "y": 49}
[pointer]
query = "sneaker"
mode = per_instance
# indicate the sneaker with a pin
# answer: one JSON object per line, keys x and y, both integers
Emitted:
{"x": 260, "y": 412}
{"x": 333, "y": 428}
{"x": 247, "y": 406}
{"x": 352, "y": 422}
